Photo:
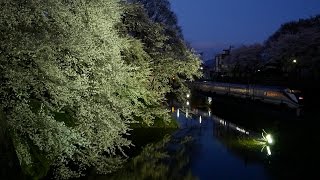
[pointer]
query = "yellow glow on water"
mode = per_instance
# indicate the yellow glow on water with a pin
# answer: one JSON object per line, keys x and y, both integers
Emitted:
{"x": 172, "y": 109}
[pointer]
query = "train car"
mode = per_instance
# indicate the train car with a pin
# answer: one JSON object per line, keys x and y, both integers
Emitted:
{"x": 267, "y": 94}
{"x": 277, "y": 95}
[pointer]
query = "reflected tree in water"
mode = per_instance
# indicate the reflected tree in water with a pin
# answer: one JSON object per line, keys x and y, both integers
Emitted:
{"x": 167, "y": 159}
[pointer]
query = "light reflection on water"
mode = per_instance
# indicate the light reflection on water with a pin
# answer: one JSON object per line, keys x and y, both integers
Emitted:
{"x": 221, "y": 146}
{"x": 205, "y": 147}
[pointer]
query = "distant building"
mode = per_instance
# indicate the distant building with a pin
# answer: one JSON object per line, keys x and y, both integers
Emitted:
{"x": 220, "y": 64}
{"x": 217, "y": 66}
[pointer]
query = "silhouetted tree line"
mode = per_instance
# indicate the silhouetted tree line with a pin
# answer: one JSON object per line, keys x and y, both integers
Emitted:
{"x": 291, "y": 56}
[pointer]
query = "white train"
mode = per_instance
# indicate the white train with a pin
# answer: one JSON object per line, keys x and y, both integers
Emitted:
{"x": 268, "y": 94}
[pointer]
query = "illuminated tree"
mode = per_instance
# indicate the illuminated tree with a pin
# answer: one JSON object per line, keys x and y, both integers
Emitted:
{"x": 66, "y": 92}
{"x": 71, "y": 83}
{"x": 172, "y": 61}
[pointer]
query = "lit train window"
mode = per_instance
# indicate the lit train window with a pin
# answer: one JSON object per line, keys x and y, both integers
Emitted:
{"x": 273, "y": 94}
{"x": 295, "y": 91}
{"x": 220, "y": 88}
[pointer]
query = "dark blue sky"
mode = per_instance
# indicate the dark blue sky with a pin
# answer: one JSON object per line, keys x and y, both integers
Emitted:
{"x": 211, "y": 25}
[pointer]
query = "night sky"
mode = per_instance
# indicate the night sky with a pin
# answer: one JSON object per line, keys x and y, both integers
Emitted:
{"x": 211, "y": 25}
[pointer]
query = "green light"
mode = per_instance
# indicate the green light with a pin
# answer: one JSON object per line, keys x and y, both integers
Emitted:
{"x": 269, "y": 138}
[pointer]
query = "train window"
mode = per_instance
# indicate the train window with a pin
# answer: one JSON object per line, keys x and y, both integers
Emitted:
{"x": 295, "y": 91}
{"x": 273, "y": 94}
